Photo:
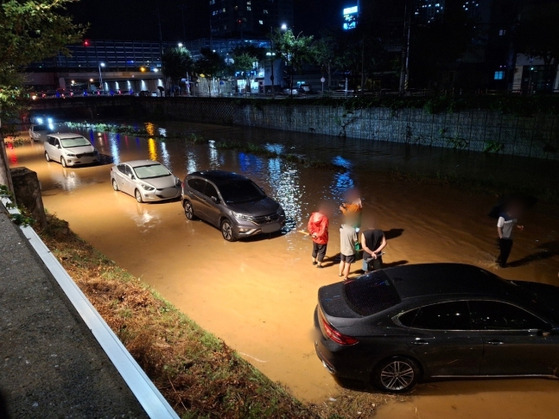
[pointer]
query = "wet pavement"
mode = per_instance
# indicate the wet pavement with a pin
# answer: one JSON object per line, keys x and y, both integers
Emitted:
{"x": 259, "y": 295}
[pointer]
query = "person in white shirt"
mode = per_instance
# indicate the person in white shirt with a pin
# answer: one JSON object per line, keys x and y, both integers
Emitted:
{"x": 505, "y": 226}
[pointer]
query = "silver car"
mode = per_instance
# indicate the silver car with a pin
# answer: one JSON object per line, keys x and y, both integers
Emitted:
{"x": 232, "y": 203}
{"x": 70, "y": 149}
{"x": 146, "y": 180}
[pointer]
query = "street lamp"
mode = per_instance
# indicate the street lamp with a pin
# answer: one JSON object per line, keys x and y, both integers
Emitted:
{"x": 100, "y": 75}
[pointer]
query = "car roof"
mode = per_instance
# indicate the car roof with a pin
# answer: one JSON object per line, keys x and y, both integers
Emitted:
{"x": 446, "y": 279}
{"x": 137, "y": 163}
{"x": 219, "y": 177}
{"x": 64, "y": 135}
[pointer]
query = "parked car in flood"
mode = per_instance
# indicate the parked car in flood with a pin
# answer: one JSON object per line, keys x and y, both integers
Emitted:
{"x": 145, "y": 180}
{"x": 70, "y": 149}
{"x": 397, "y": 326}
{"x": 232, "y": 203}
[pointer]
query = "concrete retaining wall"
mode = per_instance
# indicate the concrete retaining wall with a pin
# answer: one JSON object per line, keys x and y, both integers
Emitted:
{"x": 474, "y": 130}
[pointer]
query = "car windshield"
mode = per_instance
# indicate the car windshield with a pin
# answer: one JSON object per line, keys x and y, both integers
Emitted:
{"x": 240, "y": 191}
{"x": 371, "y": 293}
{"x": 74, "y": 142}
{"x": 151, "y": 171}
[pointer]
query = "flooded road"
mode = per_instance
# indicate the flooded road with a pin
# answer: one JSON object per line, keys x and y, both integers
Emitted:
{"x": 259, "y": 295}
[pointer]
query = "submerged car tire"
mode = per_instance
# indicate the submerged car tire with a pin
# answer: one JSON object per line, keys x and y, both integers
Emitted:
{"x": 47, "y": 157}
{"x": 115, "y": 185}
{"x": 138, "y": 196}
{"x": 396, "y": 375}
{"x": 63, "y": 162}
{"x": 227, "y": 231}
{"x": 188, "y": 210}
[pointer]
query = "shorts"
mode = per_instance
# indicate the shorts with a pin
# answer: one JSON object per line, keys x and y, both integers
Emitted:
{"x": 347, "y": 258}
{"x": 319, "y": 251}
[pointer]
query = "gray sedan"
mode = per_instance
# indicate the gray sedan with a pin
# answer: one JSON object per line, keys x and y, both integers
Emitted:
{"x": 146, "y": 180}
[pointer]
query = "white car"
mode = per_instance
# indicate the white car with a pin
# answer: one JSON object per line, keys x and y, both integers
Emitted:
{"x": 38, "y": 132}
{"x": 70, "y": 149}
{"x": 145, "y": 180}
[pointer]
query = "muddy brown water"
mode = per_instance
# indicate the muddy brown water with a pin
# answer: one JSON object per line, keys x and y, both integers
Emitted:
{"x": 259, "y": 295}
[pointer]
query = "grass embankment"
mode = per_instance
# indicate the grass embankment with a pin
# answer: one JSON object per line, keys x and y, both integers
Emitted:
{"x": 196, "y": 372}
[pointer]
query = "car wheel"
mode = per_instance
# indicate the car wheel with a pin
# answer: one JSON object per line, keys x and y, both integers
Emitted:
{"x": 227, "y": 230}
{"x": 138, "y": 196}
{"x": 115, "y": 186}
{"x": 396, "y": 375}
{"x": 63, "y": 162}
{"x": 188, "y": 210}
{"x": 47, "y": 157}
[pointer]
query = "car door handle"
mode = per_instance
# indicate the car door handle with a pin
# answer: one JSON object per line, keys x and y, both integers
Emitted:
{"x": 495, "y": 342}
{"x": 420, "y": 342}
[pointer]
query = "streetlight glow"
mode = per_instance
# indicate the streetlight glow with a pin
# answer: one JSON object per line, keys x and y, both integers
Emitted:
{"x": 100, "y": 75}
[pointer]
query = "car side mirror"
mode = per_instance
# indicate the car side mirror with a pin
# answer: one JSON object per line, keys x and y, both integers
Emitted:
{"x": 215, "y": 199}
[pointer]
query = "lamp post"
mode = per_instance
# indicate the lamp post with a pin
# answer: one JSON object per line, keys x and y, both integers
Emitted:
{"x": 272, "y": 61}
{"x": 100, "y": 75}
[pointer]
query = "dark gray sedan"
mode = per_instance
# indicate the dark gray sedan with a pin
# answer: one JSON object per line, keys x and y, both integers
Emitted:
{"x": 397, "y": 326}
{"x": 232, "y": 203}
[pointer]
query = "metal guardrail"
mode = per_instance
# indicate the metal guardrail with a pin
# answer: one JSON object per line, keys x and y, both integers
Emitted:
{"x": 139, "y": 383}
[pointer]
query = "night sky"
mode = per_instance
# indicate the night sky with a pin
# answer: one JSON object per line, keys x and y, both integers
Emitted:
{"x": 141, "y": 19}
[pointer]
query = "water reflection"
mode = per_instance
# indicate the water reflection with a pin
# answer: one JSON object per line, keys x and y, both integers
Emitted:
{"x": 114, "y": 141}
{"x": 152, "y": 149}
{"x": 191, "y": 161}
{"x": 145, "y": 219}
{"x": 250, "y": 164}
{"x": 65, "y": 179}
{"x": 341, "y": 182}
{"x": 214, "y": 155}
{"x": 165, "y": 156}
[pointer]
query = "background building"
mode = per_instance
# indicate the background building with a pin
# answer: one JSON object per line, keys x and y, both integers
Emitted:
{"x": 248, "y": 18}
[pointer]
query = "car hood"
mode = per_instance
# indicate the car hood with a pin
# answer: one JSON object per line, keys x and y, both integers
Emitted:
{"x": 161, "y": 182}
{"x": 263, "y": 206}
{"x": 80, "y": 150}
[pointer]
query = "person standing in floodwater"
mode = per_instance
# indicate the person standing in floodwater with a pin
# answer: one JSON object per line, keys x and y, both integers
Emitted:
{"x": 348, "y": 239}
{"x": 351, "y": 207}
{"x": 372, "y": 243}
{"x": 318, "y": 230}
{"x": 505, "y": 226}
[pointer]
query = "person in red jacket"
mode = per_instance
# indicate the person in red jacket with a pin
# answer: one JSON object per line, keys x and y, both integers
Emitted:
{"x": 318, "y": 230}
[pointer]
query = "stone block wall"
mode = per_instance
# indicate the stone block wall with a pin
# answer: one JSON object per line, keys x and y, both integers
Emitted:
{"x": 474, "y": 130}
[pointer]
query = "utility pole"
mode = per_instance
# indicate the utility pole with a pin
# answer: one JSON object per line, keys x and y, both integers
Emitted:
{"x": 404, "y": 69}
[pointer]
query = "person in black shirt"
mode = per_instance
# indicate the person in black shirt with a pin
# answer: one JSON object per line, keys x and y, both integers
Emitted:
{"x": 372, "y": 242}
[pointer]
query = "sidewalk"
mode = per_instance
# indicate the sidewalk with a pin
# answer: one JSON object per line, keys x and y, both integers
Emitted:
{"x": 51, "y": 364}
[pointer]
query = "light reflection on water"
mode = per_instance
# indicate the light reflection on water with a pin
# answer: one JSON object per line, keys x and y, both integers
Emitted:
{"x": 152, "y": 147}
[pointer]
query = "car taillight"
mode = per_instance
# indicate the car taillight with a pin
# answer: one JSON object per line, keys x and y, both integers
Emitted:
{"x": 335, "y": 335}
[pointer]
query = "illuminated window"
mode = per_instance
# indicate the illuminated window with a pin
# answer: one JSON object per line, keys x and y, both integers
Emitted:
{"x": 502, "y": 32}
{"x": 499, "y": 75}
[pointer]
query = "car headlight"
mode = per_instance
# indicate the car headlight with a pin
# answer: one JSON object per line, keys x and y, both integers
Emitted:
{"x": 70, "y": 154}
{"x": 146, "y": 187}
{"x": 242, "y": 217}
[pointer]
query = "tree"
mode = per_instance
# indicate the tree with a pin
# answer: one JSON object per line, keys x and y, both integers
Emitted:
{"x": 209, "y": 65}
{"x": 295, "y": 50}
{"x": 538, "y": 33}
{"x": 176, "y": 62}
{"x": 31, "y": 31}
{"x": 325, "y": 53}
